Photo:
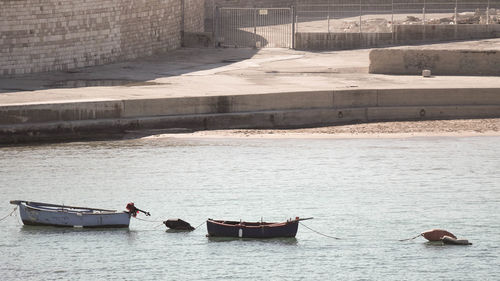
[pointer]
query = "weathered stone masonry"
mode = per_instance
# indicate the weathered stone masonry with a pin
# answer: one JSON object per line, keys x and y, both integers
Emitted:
{"x": 194, "y": 15}
{"x": 38, "y": 36}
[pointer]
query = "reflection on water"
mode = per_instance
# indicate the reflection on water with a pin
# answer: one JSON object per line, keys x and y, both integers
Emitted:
{"x": 181, "y": 231}
{"x": 369, "y": 192}
{"x": 37, "y": 230}
{"x": 283, "y": 241}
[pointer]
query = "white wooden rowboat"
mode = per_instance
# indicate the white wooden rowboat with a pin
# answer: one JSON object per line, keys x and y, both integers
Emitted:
{"x": 36, "y": 213}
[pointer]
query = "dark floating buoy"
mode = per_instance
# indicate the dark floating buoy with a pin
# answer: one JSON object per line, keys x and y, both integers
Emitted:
{"x": 441, "y": 235}
{"x": 444, "y": 236}
{"x": 178, "y": 224}
{"x": 436, "y": 234}
{"x": 453, "y": 241}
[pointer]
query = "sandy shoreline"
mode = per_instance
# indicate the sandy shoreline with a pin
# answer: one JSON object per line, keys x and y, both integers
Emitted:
{"x": 407, "y": 129}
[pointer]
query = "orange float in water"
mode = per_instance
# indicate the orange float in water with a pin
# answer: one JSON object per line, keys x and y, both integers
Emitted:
{"x": 437, "y": 234}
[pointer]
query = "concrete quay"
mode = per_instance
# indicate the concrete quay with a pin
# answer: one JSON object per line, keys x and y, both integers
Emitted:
{"x": 460, "y": 58}
{"x": 402, "y": 34}
{"x": 199, "y": 89}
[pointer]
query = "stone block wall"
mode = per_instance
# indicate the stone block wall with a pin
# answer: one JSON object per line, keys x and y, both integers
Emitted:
{"x": 194, "y": 15}
{"x": 50, "y": 35}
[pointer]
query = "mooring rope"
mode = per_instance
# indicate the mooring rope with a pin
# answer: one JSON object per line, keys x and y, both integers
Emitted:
{"x": 319, "y": 232}
{"x": 18, "y": 219}
{"x": 410, "y": 238}
{"x": 158, "y": 225}
{"x": 10, "y": 214}
{"x": 147, "y": 220}
{"x": 151, "y": 221}
{"x": 199, "y": 225}
{"x": 155, "y": 221}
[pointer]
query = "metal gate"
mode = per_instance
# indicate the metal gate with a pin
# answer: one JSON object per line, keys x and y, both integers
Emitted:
{"x": 254, "y": 27}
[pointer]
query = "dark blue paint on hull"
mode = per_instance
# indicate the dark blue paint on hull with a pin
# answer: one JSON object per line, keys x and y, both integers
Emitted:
{"x": 31, "y": 223}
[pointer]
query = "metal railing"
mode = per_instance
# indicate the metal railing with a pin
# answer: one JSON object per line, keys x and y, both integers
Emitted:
{"x": 254, "y": 27}
{"x": 370, "y": 16}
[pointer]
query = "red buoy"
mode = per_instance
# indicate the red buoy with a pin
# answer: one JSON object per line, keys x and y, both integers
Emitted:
{"x": 437, "y": 234}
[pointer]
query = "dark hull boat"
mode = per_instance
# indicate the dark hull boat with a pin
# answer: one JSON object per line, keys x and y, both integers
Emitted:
{"x": 241, "y": 229}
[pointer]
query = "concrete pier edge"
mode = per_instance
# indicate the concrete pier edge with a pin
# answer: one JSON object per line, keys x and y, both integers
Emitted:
{"x": 411, "y": 61}
{"x": 113, "y": 119}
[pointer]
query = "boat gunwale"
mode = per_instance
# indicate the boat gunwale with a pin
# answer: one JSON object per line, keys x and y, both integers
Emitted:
{"x": 31, "y": 203}
{"x": 241, "y": 225}
{"x": 71, "y": 210}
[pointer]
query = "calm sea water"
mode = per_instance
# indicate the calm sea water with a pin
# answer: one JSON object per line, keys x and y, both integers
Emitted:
{"x": 368, "y": 192}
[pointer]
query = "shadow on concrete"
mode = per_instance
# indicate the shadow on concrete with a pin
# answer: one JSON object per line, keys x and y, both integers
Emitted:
{"x": 237, "y": 38}
{"x": 138, "y": 72}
